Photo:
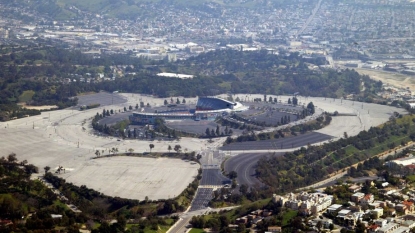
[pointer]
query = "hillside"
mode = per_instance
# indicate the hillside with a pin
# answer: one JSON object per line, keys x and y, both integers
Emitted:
{"x": 67, "y": 9}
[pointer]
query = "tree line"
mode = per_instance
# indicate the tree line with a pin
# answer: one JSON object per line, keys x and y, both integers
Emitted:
{"x": 309, "y": 165}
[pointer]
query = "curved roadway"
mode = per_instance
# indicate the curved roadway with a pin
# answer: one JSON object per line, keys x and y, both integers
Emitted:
{"x": 244, "y": 165}
{"x": 282, "y": 143}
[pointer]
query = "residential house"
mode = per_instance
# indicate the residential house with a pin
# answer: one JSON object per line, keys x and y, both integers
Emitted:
{"x": 367, "y": 199}
{"x": 274, "y": 229}
{"x": 376, "y": 213}
{"x": 405, "y": 207}
{"x": 354, "y": 188}
{"x": 357, "y": 197}
{"x": 388, "y": 228}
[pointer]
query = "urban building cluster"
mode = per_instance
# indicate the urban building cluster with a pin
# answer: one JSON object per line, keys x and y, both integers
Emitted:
{"x": 305, "y": 203}
{"x": 391, "y": 210}
{"x": 317, "y": 27}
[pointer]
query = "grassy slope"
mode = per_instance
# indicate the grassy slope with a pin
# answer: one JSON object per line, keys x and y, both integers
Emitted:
{"x": 26, "y": 96}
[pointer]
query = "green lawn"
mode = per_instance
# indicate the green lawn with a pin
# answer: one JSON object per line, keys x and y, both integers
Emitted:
{"x": 288, "y": 216}
{"x": 26, "y": 96}
{"x": 161, "y": 229}
{"x": 351, "y": 150}
{"x": 60, "y": 204}
{"x": 410, "y": 178}
{"x": 196, "y": 230}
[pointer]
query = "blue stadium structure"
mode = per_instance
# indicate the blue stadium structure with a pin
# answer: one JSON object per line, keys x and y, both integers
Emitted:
{"x": 207, "y": 108}
{"x": 214, "y": 104}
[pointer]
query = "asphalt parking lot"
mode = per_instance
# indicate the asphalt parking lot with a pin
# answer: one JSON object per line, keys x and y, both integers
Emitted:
{"x": 59, "y": 138}
{"x": 102, "y": 98}
{"x": 213, "y": 177}
{"x": 202, "y": 198}
{"x": 282, "y": 143}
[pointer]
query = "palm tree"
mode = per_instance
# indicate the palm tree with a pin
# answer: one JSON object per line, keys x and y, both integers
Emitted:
{"x": 169, "y": 148}
{"x": 151, "y": 147}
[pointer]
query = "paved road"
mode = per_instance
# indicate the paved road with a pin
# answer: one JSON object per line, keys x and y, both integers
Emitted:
{"x": 313, "y": 14}
{"x": 277, "y": 144}
{"x": 180, "y": 226}
{"x": 201, "y": 199}
{"x": 185, "y": 217}
{"x": 244, "y": 165}
{"x": 213, "y": 177}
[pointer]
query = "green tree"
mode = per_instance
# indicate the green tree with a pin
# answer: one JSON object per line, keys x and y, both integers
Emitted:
{"x": 232, "y": 174}
{"x": 243, "y": 189}
{"x": 319, "y": 225}
{"x": 310, "y": 107}
{"x": 151, "y": 147}
{"x": 11, "y": 158}
{"x": 169, "y": 148}
{"x": 177, "y": 148}
{"x": 47, "y": 168}
{"x": 295, "y": 101}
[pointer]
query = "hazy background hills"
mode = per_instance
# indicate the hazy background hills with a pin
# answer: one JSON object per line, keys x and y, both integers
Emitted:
{"x": 67, "y": 9}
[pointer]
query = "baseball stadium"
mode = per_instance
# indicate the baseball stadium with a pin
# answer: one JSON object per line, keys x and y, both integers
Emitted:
{"x": 207, "y": 108}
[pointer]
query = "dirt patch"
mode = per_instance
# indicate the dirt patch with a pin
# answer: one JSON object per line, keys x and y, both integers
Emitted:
{"x": 42, "y": 107}
{"x": 394, "y": 79}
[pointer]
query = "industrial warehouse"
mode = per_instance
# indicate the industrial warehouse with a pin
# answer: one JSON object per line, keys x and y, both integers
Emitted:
{"x": 207, "y": 108}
